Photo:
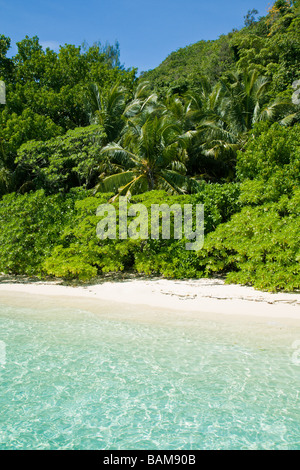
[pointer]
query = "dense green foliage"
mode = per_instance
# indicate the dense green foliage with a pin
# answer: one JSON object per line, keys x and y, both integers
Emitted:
{"x": 47, "y": 93}
{"x": 62, "y": 162}
{"x": 30, "y": 226}
{"x": 214, "y": 124}
{"x": 260, "y": 245}
{"x": 56, "y": 234}
{"x": 182, "y": 70}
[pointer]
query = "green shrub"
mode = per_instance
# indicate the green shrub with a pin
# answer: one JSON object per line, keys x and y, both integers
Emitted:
{"x": 56, "y": 235}
{"x": 30, "y": 227}
{"x": 270, "y": 165}
{"x": 80, "y": 254}
{"x": 63, "y": 162}
{"x": 259, "y": 246}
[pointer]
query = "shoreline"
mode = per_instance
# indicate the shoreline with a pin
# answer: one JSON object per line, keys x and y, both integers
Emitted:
{"x": 205, "y": 297}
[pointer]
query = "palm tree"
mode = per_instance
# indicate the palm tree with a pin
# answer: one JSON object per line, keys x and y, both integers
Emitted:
{"x": 143, "y": 101}
{"x": 232, "y": 108}
{"x": 150, "y": 155}
{"x": 106, "y": 108}
{"x": 217, "y": 130}
{"x": 249, "y": 100}
{"x": 179, "y": 108}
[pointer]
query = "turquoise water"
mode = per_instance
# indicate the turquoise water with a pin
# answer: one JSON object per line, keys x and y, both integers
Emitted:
{"x": 77, "y": 380}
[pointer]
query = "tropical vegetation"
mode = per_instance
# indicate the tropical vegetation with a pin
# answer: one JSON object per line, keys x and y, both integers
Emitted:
{"x": 215, "y": 124}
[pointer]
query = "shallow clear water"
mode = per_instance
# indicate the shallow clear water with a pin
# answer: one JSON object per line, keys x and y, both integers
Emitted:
{"x": 77, "y": 380}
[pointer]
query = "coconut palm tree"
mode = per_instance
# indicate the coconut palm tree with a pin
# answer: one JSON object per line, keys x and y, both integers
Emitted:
{"x": 144, "y": 100}
{"x": 150, "y": 155}
{"x": 106, "y": 108}
{"x": 232, "y": 108}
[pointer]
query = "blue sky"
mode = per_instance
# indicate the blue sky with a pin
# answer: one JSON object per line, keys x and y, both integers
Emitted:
{"x": 147, "y": 31}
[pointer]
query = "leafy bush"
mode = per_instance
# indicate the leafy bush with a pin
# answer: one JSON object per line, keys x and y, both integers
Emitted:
{"x": 259, "y": 246}
{"x": 80, "y": 254}
{"x": 272, "y": 151}
{"x": 57, "y": 235}
{"x": 63, "y": 162}
{"x": 30, "y": 227}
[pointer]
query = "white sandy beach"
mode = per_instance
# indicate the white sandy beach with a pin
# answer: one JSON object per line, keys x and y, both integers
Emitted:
{"x": 203, "y": 296}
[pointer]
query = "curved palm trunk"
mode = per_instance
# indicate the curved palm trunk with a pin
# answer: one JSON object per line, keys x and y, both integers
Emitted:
{"x": 151, "y": 181}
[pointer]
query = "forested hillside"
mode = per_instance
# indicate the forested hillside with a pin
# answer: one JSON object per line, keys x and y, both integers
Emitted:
{"x": 270, "y": 44}
{"x": 217, "y": 123}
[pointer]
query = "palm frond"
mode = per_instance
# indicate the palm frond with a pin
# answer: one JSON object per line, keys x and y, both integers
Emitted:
{"x": 112, "y": 183}
{"x": 173, "y": 182}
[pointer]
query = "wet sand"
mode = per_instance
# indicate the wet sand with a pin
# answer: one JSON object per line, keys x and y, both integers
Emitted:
{"x": 205, "y": 298}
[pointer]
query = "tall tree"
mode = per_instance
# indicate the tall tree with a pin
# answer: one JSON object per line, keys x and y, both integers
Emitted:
{"x": 234, "y": 106}
{"x": 106, "y": 108}
{"x": 152, "y": 155}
